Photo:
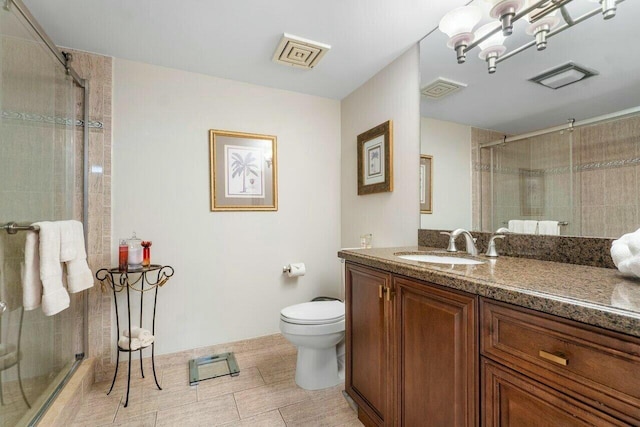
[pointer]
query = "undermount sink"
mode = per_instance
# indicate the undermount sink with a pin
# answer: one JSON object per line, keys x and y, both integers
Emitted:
{"x": 439, "y": 259}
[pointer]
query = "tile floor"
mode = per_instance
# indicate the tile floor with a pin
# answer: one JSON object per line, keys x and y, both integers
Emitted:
{"x": 264, "y": 394}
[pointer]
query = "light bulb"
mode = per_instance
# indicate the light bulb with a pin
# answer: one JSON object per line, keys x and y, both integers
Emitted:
{"x": 492, "y": 47}
{"x": 458, "y": 25}
{"x": 505, "y": 10}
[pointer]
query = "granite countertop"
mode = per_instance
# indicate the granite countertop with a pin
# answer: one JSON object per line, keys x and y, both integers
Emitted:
{"x": 596, "y": 296}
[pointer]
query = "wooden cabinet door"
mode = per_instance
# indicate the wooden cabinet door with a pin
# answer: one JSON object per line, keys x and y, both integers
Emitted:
{"x": 437, "y": 348}
{"x": 369, "y": 374}
{"x": 514, "y": 400}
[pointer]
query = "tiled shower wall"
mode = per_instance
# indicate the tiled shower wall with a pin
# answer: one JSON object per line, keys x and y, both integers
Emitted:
{"x": 98, "y": 70}
{"x": 590, "y": 178}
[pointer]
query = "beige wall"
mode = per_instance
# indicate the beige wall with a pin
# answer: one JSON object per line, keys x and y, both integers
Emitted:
{"x": 392, "y": 94}
{"x": 228, "y": 282}
{"x": 450, "y": 145}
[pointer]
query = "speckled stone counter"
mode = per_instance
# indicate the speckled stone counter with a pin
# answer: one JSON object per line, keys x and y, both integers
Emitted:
{"x": 596, "y": 296}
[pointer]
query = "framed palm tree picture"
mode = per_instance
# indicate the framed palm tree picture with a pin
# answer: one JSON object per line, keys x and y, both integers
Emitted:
{"x": 375, "y": 159}
{"x": 243, "y": 171}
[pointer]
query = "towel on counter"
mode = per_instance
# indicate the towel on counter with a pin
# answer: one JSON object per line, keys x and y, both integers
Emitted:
{"x": 549, "y": 228}
{"x": 129, "y": 344}
{"x": 55, "y": 297}
{"x": 79, "y": 276}
{"x": 625, "y": 253}
{"x": 530, "y": 227}
{"x": 516, "y": 226}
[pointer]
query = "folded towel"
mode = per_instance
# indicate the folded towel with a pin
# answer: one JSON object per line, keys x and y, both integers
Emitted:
{"x": 54, "y": 296}
{"x": 146, "y": 342}
{"x": 126, "y": 344}
{"x": 530, "y": 227}
{"x": 625, "y": 253}
{"x": 30, "y": 272}
{"x": 516, "y": 226}
{"x": 550, "y": 228}
{"x": 137, "y": 332}
{"x": 79, "y": 276}
{"x": 67, "y": 244}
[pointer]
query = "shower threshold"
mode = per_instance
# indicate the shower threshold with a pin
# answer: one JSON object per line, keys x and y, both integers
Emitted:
{"x": 208, "y": 367}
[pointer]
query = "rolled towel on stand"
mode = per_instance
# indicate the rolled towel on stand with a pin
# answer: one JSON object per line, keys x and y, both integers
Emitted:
{"x": 129, "y": 344}
{"x": 137, "y": 332}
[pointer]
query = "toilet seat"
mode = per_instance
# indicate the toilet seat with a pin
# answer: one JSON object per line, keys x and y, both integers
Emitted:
{"x": 313, "y": 313}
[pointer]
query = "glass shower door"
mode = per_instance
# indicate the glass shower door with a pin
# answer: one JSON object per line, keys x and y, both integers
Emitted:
{"x": 37, "y": 182}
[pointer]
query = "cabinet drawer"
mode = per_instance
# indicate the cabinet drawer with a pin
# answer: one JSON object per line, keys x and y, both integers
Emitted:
{"x": 596, "y": 366}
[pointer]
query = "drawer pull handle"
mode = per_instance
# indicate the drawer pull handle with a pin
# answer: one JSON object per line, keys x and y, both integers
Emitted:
{"x": 380, "y": 291}
{"x": 390, "y": 294}
{"x": 559, "y": 358}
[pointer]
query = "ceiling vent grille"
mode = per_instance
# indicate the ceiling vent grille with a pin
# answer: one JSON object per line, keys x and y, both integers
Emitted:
{"x": 563, "y": 75}
{"x": 440, "y": 88}
{"x": 298, "y": 52}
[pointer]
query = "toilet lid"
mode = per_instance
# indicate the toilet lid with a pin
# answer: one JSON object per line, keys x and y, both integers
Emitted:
{"x": 315, "y": 312}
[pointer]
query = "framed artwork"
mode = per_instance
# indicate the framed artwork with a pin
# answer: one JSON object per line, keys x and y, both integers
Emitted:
{"x": 243, "y": 171}
{"x": 375, "y": 159}
{"x": 426, "y": 184}
{"x": 531, "y": 192}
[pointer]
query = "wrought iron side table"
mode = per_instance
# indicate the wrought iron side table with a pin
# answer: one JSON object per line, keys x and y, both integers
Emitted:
{"x": 138, "y": 280}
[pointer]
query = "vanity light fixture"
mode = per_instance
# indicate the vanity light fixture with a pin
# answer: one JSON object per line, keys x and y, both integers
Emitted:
{"x": 492, "y": 47}
{"x": 505, "y": 11}
{"x": 458, "y": 24}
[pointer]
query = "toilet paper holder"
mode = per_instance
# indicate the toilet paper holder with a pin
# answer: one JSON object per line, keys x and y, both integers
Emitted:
{"x": 294, "y": 269}
{"x": 286, "y": 269}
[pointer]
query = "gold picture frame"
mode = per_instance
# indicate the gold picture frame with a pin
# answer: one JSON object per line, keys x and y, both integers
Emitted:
{"x": 243, "y": 171}
{"x": 426, "y": 184}
{"x": 375, "y": 159}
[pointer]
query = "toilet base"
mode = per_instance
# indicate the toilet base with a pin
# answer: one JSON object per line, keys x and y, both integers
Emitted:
{"x": 317, "y": 368}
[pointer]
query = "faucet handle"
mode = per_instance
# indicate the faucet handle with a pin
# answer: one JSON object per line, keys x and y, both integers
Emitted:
{"x": 491, "y": 248}
{"x": 452, "y": 242}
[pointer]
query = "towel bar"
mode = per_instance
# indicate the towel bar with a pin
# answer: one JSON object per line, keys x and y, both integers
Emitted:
{"x": 13, "y": 228}
{"x": 559, "y": 222}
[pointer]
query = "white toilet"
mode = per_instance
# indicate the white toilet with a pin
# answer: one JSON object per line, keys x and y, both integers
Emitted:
{"x": 316, "y": 328}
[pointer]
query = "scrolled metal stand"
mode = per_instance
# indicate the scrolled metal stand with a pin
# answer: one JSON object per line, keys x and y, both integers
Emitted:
{"x": 154, "y": 277}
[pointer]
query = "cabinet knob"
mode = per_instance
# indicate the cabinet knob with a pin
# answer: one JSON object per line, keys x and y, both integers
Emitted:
{"x": 558, "y": 358}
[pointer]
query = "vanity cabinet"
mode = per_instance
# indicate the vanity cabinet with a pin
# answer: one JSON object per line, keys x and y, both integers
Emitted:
{"x": 412, "y": 356}
{"x": 369, "y": 364}
{"x": 543, "y": 370}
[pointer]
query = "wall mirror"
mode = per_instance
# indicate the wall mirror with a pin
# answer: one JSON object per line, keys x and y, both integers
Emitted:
{"x": 507, "y": 148}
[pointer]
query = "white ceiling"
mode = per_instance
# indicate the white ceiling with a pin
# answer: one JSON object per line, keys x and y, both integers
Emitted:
{"x": 236, "y": 39}
{"x": 507, "y": 102}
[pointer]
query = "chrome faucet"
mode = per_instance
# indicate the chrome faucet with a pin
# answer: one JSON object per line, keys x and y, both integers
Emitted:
{"x": 491, "y": 248}
{"x": 470, "y": 241}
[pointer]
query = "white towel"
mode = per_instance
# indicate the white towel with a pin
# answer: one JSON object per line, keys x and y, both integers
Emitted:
{"x": 31, "y": 283}
{"x": 67, "y": 244}
{"x": 125, "y": 344}
{"x": 137, "y": 332}
{"x": 530, "y": 227}
{"x": 79, "y": 276}
{"x": 146, "y": 342}
{"x": 625, "y": 253}
{"x": 516, "y": 226}
{"x": 54, "y": 296}
{"x": 550, "y": 228}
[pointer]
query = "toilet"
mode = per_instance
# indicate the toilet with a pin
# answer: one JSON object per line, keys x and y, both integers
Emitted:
{"x": 317, "y": 329}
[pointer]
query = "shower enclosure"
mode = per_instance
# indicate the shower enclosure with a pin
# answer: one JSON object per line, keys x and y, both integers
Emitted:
{"x": 584, "y": 175}
{"x": 41, "y": 178}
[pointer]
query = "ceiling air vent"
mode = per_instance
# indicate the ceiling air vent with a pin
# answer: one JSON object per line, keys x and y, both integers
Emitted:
{"x": 563, "y": 75}
{"x": 299, "y": 52}
{"x": 440, "y": 88}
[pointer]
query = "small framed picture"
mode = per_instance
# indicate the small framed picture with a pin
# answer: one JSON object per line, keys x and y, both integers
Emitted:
{"x": 375, "y": 159}
{"x": 243, "y": 171}
{"x": 531, "y": 192}
{"x": 426, "y": 184}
